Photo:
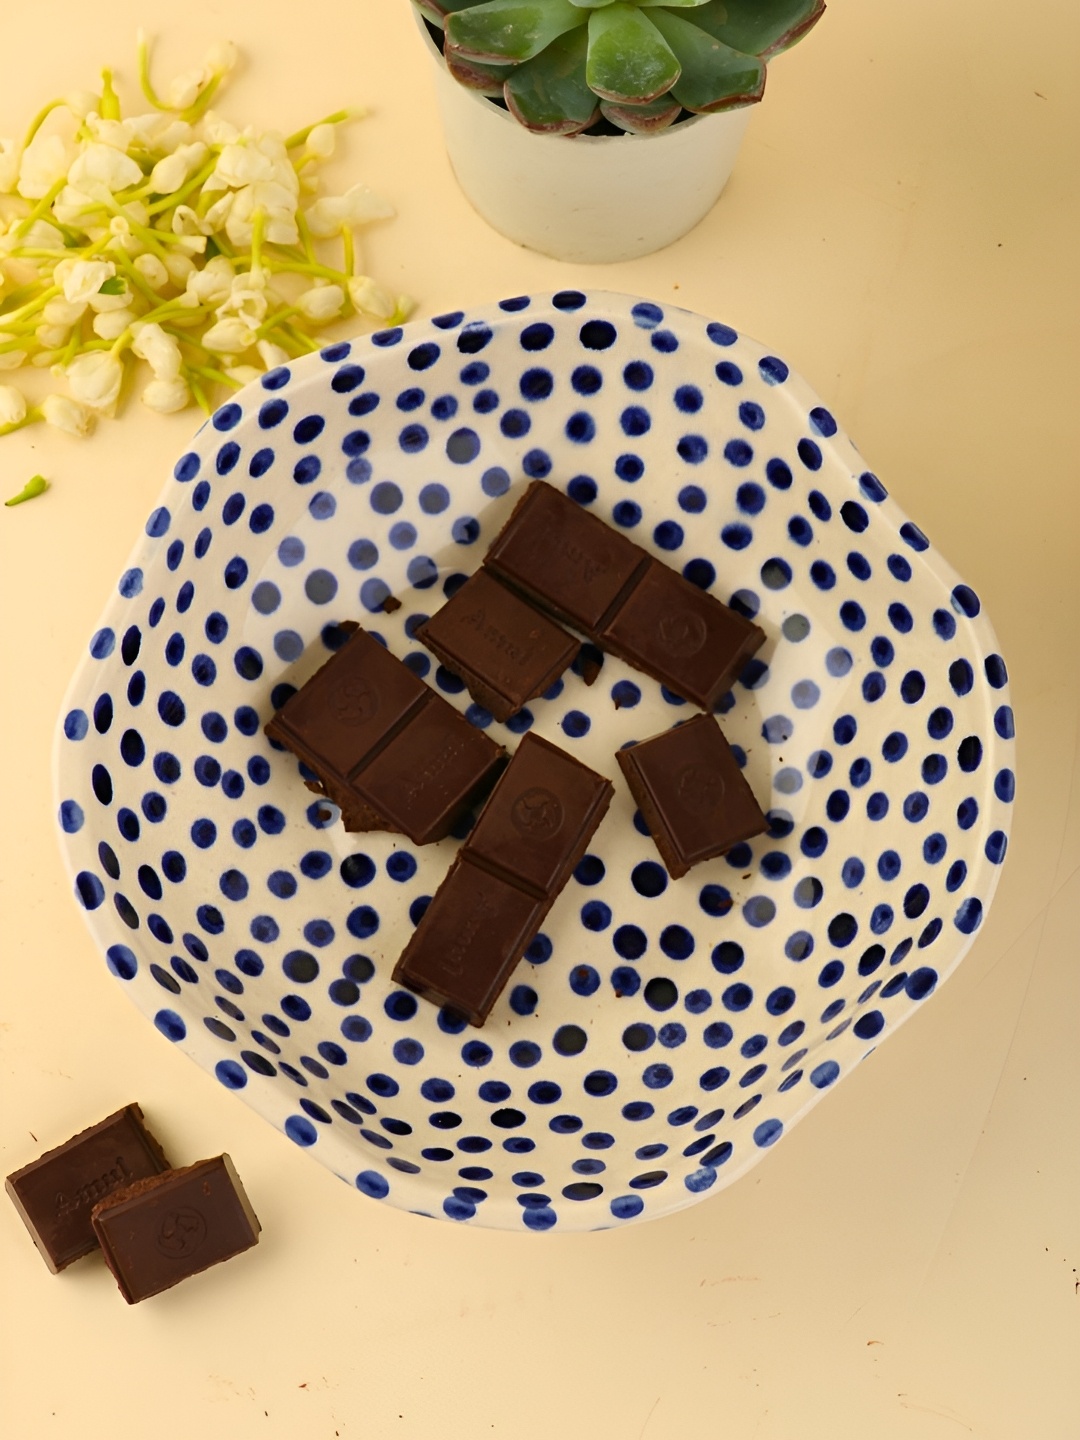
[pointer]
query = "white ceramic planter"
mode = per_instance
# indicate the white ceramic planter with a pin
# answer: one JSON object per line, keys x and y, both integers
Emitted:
{"x": 584, "y": 198}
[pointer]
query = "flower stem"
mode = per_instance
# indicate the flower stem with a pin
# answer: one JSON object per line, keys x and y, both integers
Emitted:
{"x": 39, "y": 119}
{"x": 349, "y": 261}
{"x": 336, "y": 118}
{"x": 42, "y": 205}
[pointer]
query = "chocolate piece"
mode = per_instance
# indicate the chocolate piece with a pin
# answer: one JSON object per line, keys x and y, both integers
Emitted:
{"x": 694, "y": 797}
{"x": 387, "y": 750}
{"x": 522, "y": 850}
{"x": 568, "y": 562}
{"x": 55, "y": 1195}
{"x": 163, "y": 1229}
{"x": 505, "y": 650}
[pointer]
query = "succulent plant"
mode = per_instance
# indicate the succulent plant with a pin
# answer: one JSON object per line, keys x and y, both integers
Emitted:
{"x": 562, "y": 67}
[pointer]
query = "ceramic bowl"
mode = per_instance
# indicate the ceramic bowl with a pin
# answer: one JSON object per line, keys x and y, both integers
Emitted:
{"x": 660, "y": 1036}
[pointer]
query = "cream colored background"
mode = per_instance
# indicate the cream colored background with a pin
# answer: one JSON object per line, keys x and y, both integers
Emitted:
{"x": 901, "y": 226}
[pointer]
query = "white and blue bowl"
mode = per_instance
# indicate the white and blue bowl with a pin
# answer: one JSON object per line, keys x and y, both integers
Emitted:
{"x": 660, "y": 1035}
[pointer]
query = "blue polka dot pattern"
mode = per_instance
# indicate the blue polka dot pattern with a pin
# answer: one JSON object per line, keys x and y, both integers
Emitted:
{"x": 259, "y": 936}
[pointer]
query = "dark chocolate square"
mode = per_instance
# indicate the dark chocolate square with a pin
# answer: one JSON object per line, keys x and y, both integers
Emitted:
{"x": 470, "y": 938}
{"x": 567, "y": 560}
{"x": 682, "y": 635}
{"x": 162, "y": 1230}
{"x": 505, "y": 650}
{"x": 423, "y": 778}
{"x": 342, "y": 713}
{"x": 547, "y": 809}
{"x": 56, "y": 1193}
{"x": 692, "y": 794}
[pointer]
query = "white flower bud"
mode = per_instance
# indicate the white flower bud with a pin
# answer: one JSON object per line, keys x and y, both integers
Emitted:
{"x": 10, "y": 359}
{"x": 229, "y": 336}
{"x": 186, "y": 221}
{"x": 152, "y": 270}
{"x": 99, "y": 164}
{"x": 272, "y": 355}
{"x": 44, "y": 161}
{"x": 358, "y": 206}
{"x": 171, "y": 172}
{"x": 66, "y": 414}
{"x": 82, "y": 279}
{"x": 216, "y": 130}
{"x": 241, "y": 164}
{"x": 52, "y": 336}
{"x": 165, "y": 396}
{"x": 95, "y": 378}
{"x": 12, "y": 405}
{"x": 117, "y": 133}
{"x": 111, "y": 324}
{"x": 179, "y": 266}
{"x": 321, "y": 303}
{"x": 81, "y": 102}
{"x": 321, "y": 140}
{"x": 158, "y": 349}
{"x": 371, "y": 298}
{"x": 213, "y": 283}
{"x": 243, "y": 374}
{"x": 63, "y": 312}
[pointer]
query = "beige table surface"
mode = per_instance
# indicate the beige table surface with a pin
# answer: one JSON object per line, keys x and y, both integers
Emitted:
{"x": 902, "y": 227}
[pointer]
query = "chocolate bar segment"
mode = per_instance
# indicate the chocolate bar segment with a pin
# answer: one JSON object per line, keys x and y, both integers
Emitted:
{"x": 387, "y": 750}
{"x": 164, "y": 1229}
{"x": 569, "y": 563}
{"x": 55, "y": 1194}
{"x": 564, "y": 559}
{"x": 505, "y": 650}
{"x": 681, "y": 636}
{"x": 522, "y": 850}
{"x": 692, "y": 794}
{"x": 470, "y": 938}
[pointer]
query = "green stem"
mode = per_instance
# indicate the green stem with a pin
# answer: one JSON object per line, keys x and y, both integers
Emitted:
{"x": 200, "y": 396}
{"x": 335, "y": 119}
{"x": 302, "y": 267}
{"x": 39, "y": 119}
{"x": 136, "y": 279}
{"x": 31, "y": 307}
{"x": 202, "y": 101}
{"x": 299, "y": 338}
{"x": 349, "y": 262}
{"x": 145, "y": 83}
{"x": 42, "y": 205}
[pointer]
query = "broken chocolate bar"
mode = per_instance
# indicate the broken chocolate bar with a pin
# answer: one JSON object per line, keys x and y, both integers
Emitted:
{"x": 579, "y": 570}
{"x": 691, "y": 793}
{"x": 531, "y": 833}
{"x": 387, "y": 750}
{"x": 55, "y": 1194}
{"x": 161, "y": 1230}
{"x": 505, "y": 650}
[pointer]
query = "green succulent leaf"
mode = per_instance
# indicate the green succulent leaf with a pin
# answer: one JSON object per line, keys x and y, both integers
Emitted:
{"x": 714, "y": 76}
{"x": 510, "y": 31}
{"x": 667, "y": 4}
{"x": 486, "y": 79}
{"x": 437, "y": 10}
{"x": 593, "y": 4}
{"x": 642, "y": 119}
{"x": 629, "y": 60}
{"x": 759, "y": 27}
{"x": 549, "y": 93}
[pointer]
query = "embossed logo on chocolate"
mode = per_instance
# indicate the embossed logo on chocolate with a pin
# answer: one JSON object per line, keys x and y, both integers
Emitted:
{"x": 699, "y": 789}
{"x": 181, "y": 1233}
{"x": 92, "y": 1190}
{"x": 682, "y": 631}
{"x": 354, "y": 702}
{"x": 537, "y": 813}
